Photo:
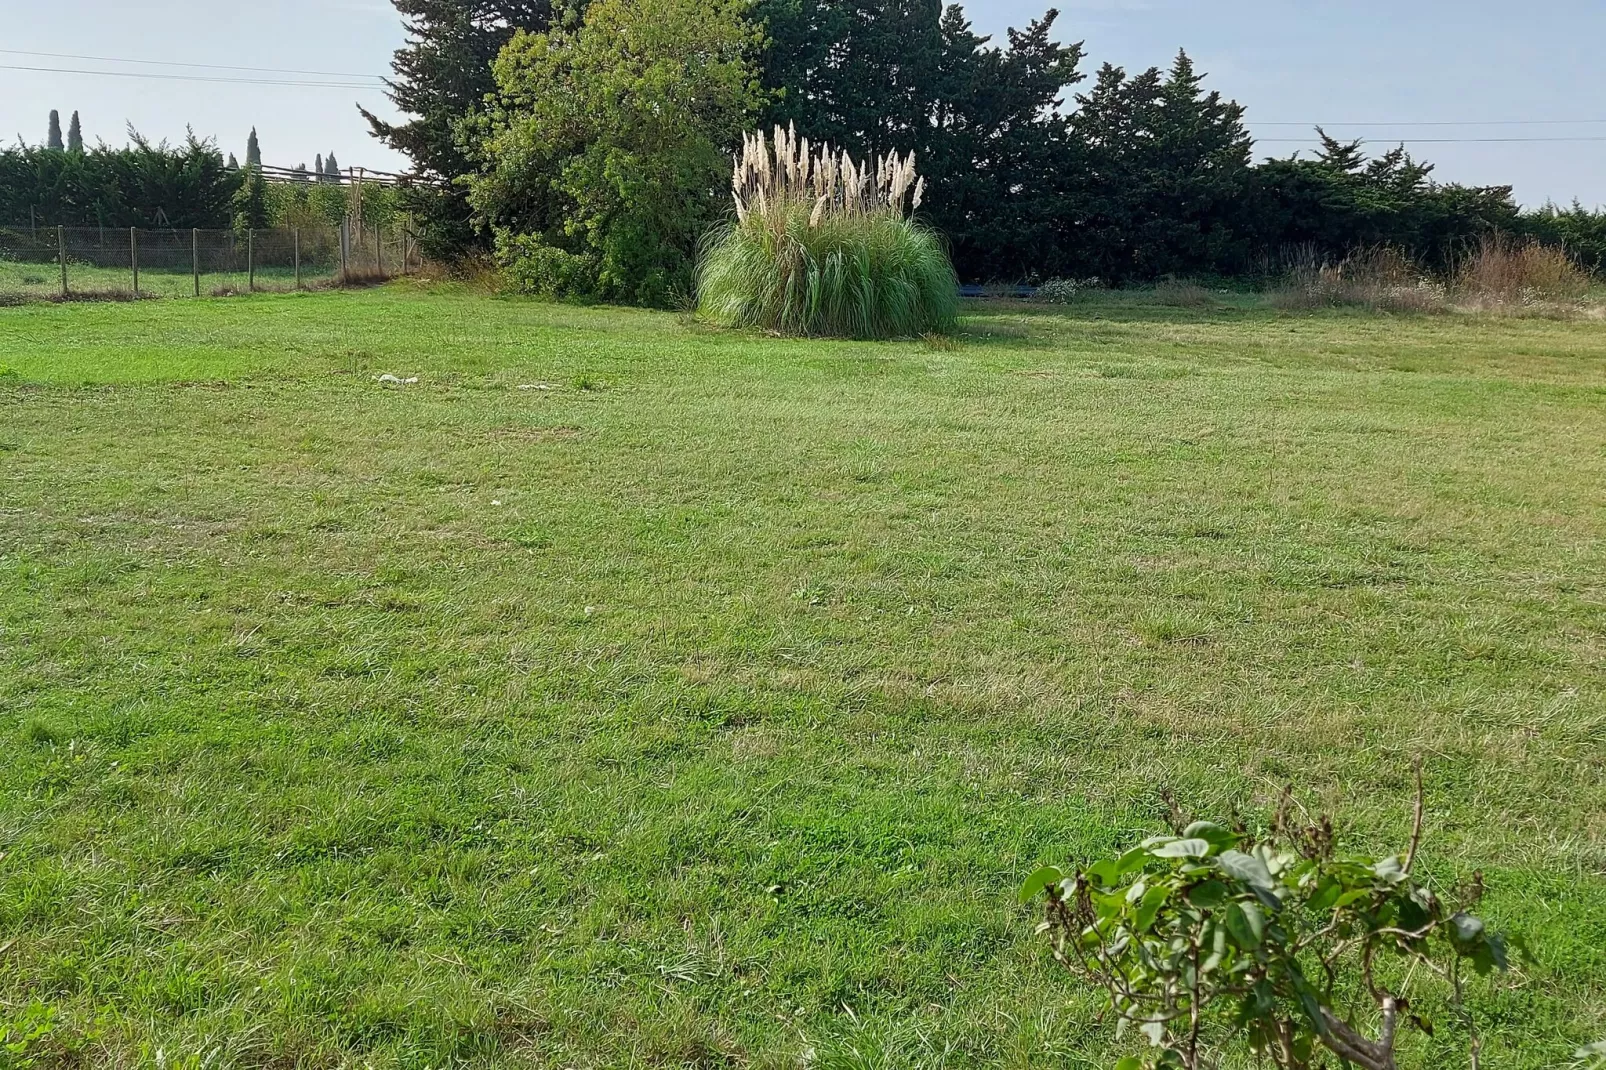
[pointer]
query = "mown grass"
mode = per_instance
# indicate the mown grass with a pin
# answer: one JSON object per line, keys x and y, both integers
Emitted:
{"x": 34, "y": 281}
{"x": 707, "y": 706}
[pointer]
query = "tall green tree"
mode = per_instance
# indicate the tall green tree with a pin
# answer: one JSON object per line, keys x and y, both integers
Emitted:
{"x": 53, "y": 134}
{"x": 604, "y": 158}
{"x": 251, "y": 203}
{"x": 317, "y": 168}
{"x": 872, "y": 76}
{"x": 442, "y": 75}
{"x": 331, "y": 168}
{"x": 253, "y": 151}
{"x": 1164, "y": 173}
{"x": 75, "y": 135}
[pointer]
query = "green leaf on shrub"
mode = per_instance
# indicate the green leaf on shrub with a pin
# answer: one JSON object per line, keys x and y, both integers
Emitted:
{"x": 1105, "y": 871}
{"x": 1130, "y": 1062}
{"x": 1040, "y": 879}
{"x": 1247, "y": 868}
{"x": 1216, "y": 835}
{"x": 1186, "y": 848}
{"x": 1209, "y": 895}
{"x": 1153, "y": 899}
{"x": 1132, "y": 861}
{"x": 1389, "y": 869}
{"x": 1247, "y": 924}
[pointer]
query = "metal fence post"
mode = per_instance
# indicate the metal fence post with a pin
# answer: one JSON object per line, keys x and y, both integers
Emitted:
{"x": 195, "y": 257}
{"x": 251, "y": 260}
{"x": 133, "y": 255}
{"x": 61, "y": 255}
{"x": 295, "y": 248}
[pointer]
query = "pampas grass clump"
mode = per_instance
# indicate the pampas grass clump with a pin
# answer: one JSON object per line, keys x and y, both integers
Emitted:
{"x": 824, "y": 246}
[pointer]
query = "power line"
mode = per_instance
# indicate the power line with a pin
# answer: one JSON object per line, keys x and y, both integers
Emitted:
{"x": 1459, "y": 122}
{"x": 174, "y": 63}
{"x": 194, "y": 77}
{"x": 1430, "y": 140}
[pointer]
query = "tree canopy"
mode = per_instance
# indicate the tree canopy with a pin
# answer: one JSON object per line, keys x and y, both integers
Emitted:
{"x": 603, "y": 144}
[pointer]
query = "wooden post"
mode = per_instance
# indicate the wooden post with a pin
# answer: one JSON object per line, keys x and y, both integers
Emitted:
{"x": 251, "y": 260}
{"x": 379, "y": 253}
{"x": 295, "y": 247}
{"x": 345, "y": 240}
{"x": 133, "y": 255}
{"x": 61, "y": 255}
{"x": 195, "y": 257}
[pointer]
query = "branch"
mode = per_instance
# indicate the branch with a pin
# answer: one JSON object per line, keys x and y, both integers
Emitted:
{"x": 1416, "y": 819}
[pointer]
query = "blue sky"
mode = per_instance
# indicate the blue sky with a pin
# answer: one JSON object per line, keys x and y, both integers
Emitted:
{"x": 1503, "y": 70}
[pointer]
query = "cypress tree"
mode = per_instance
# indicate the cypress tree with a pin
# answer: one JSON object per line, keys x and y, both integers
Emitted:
{"x": 234, "y": 165}
{"x": 331, "y": 167}
{"x": 253, "y": 151}
{"x": 75, "y": 135}
{"x": 53, "y": 137}
{"x": 317, "y": 168}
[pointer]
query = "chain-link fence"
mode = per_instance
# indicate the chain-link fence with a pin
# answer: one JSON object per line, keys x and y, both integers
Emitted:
{"x": 44, "y": 262}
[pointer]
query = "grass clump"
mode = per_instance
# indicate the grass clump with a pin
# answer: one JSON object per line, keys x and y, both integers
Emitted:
{"x": 823, "y": 246}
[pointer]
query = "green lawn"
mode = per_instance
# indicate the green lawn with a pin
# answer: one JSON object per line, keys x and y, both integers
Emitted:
{"x": 707, "y": 707}
{"x": 36, "y": 280}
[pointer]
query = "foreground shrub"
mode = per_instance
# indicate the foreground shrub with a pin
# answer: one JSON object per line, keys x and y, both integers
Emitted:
{"x": 1285, "y": 943}
{"x": 822, "y": 246}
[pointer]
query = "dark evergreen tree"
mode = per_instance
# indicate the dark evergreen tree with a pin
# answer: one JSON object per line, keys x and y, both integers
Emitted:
{"x": 317, "y": 168}
{"x": 1165, "y": 170}
{"x": 234, "y": 165}
{"x": 75, "y": 135}
{"x": 331, "y": 167}
{"x": 1340, "y": 201}
{"x": 253, "y": 151}
{"x": 875, "y": 75}
{"x": 300, "y": 174}
{"x": 53, "y": 135}
{"x": 442, "y": 74}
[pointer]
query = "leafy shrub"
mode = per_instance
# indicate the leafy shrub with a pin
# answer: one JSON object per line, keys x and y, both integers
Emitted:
{"x": 601, "y": 152}
{"x": 822, "y": 246}
{"x": 1211, "y": 935}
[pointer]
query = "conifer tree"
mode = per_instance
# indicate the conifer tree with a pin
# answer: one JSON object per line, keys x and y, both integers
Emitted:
{"x": 75, "y": 135}
{"x": 253, "y": 151}
{"x": 442, "y": 74}
{"x": 331, "y": 167}
{"x": 234, "y": 165}
{"x": 53, "y": 136}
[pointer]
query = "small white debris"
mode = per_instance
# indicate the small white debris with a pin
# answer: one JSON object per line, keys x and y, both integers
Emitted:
{"x": 389, "y": 378}
{"x": 496, "y": 501}
{"x": 534, "y": 386}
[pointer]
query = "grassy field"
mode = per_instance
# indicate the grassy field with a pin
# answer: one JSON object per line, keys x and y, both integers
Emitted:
{"x": 34, "y": 281}
{"x": 625, "y": 694}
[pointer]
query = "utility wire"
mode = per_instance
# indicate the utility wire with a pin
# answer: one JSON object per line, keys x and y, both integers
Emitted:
{"x": 195, "y": 77}
{"x": 1459, "y": 122}
{"x": 1429, "y": 140}
{"x": 173, "y": 63}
